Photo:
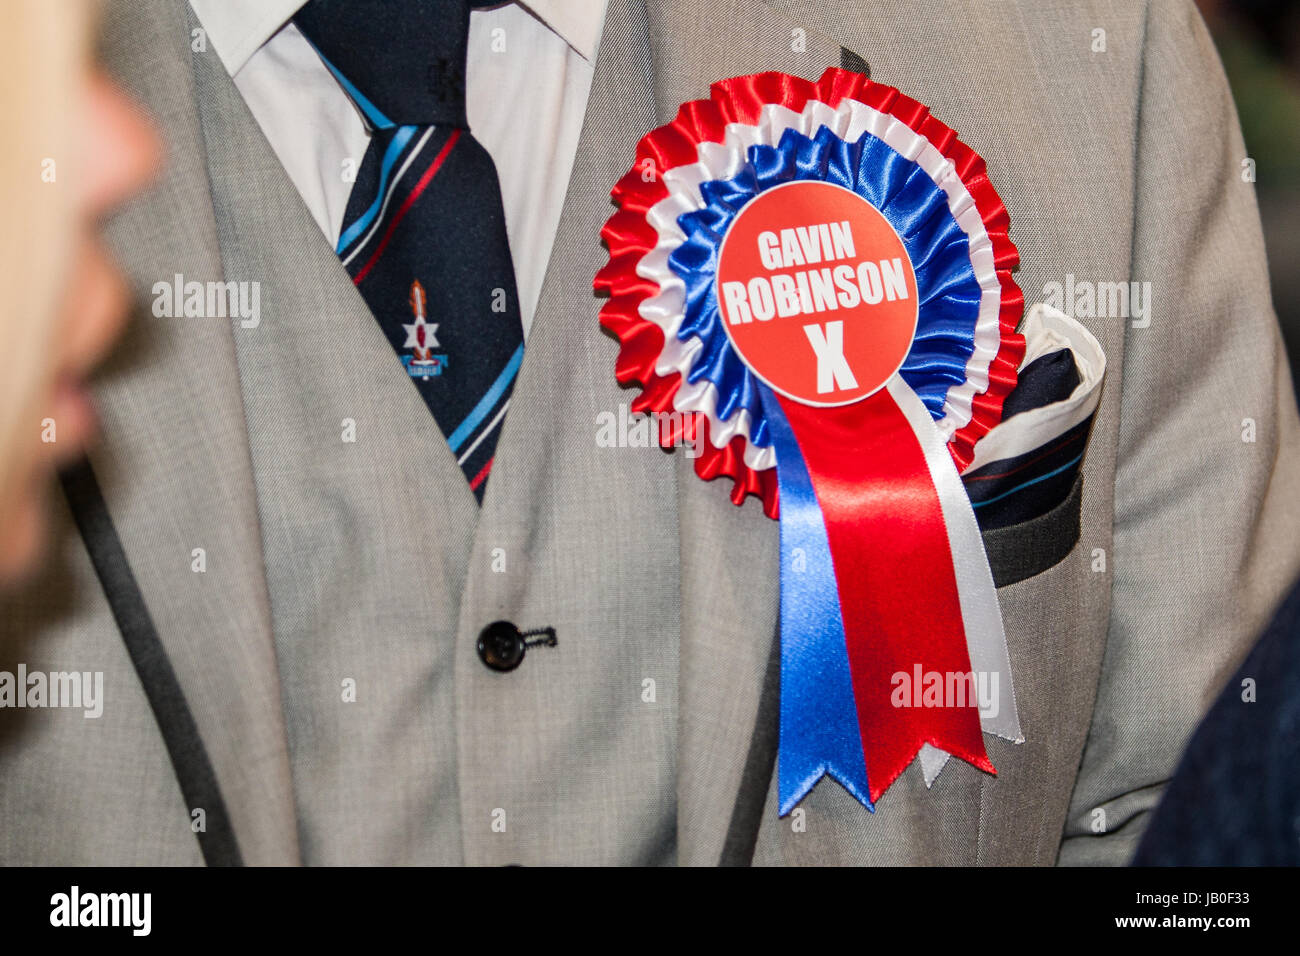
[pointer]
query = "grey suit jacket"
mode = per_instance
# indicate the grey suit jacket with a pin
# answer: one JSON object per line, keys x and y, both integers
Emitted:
{"x": 322, "y": 643}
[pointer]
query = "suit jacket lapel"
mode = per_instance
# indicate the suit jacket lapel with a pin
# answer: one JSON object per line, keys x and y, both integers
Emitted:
{"x": 173, "y": 420}
{"x": 728, "y": 733}
{"x": 729, "y": 555}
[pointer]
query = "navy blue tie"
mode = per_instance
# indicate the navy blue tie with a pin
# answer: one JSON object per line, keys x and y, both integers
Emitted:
{"x": 424, "y": 234}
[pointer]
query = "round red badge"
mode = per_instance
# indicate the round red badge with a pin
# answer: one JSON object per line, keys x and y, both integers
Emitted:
{"x": 817, "y": 293}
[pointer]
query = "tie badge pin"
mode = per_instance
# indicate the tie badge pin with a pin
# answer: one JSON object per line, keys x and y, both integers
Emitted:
{"x": 422, "y": 338}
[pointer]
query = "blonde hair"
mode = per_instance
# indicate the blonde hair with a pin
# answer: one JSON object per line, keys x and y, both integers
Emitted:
{"x": 44, "y": 56}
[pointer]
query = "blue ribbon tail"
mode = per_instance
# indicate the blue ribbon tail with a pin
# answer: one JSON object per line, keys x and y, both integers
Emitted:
{"x": 819, "y": 719}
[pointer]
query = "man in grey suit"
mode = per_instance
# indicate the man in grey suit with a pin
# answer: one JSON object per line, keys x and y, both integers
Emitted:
{"x": 280, "y": 570}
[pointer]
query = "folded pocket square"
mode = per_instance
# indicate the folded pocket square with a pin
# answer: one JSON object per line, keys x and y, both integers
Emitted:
{"x": 1025, "y": 472}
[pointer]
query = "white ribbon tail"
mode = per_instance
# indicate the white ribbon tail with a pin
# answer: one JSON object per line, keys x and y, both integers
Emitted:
{"x": 986, "y": 640}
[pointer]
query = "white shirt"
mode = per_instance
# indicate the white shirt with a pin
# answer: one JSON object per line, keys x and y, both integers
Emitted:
{"x": 527, "y": 78}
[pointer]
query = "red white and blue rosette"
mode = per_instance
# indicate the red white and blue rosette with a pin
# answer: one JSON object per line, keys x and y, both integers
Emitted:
{"x": 816, "y": 278}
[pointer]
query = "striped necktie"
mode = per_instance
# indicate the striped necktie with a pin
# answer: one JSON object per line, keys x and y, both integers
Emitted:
{"x": 424, "y": 234}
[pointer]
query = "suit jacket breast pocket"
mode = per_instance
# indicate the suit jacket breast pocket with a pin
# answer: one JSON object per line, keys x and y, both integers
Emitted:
{"x": 1021, "y": 550}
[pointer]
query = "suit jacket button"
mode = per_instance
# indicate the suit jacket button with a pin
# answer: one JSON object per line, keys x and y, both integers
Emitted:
{"x": 501, "y": 646}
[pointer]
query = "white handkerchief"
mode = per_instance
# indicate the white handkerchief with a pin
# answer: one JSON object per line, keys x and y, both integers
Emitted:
{"x": 1047, "y": 330}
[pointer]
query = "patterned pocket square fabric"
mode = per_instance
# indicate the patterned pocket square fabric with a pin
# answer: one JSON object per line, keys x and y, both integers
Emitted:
{"x": 1027, "y": 469}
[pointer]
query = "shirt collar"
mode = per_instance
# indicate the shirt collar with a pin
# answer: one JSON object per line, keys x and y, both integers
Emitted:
{"x": 238, "y": 28}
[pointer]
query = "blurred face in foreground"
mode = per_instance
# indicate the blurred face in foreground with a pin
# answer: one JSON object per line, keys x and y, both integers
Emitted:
{"x": 62, "y": 302}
